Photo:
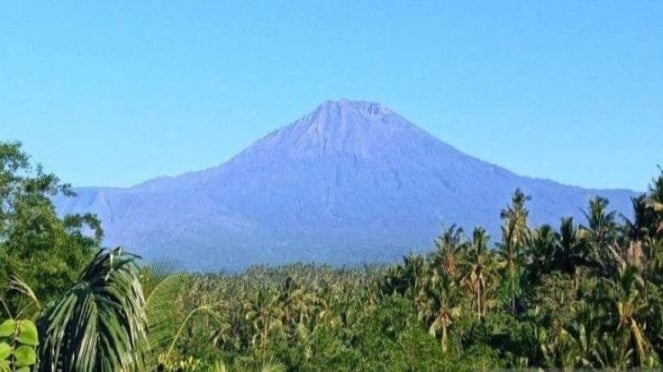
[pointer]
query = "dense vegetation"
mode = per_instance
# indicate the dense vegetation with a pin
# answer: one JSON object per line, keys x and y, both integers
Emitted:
{"x": 581, "y": 294}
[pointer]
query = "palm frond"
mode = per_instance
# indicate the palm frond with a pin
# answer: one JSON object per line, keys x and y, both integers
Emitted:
{"x": 100, "y": 323}
{"x": 156, "y": 271}
{"x": 163, "y": 316}
{"x": 18, "y": 285}
{"x": 219, "y": 366}
{"x": 273, "y": 365}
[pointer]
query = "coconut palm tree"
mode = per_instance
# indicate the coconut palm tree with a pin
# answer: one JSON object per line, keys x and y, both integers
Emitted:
{"x": 413, "y": 270}
{"x": 451, "y": 246}
{"x": 479, "y": 270}
{"x": 637, "y": 234}
{"x": 644, "y": 218}
{"x": 572, "y": 252}
{"x": 291, "y": 301}
{"x": 516, "y": 230}
{"x": 264, "y": 315}
{"x": 539, "y": 255}
{"x": 441, "y": 307}
{"x": 600, "y": 233}
{"x": 569, "y": 348}
{"x": 625, "y": 294}
{"x": 515, "y": 236}
{"x": 656, "y": 200}
{"x": 394, "y": 281}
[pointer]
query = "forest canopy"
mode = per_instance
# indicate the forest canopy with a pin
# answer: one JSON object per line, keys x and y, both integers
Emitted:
{"x": 579, "y": 294}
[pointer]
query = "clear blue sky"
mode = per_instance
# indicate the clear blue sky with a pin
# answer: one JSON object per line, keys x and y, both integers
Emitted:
{"x": 114, "y": 93}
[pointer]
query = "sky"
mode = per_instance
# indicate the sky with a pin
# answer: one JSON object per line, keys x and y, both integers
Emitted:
{"x": 115, "y": 93}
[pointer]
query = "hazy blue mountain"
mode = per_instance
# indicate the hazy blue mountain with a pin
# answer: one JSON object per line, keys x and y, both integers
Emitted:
{"x": 351, "y": 182}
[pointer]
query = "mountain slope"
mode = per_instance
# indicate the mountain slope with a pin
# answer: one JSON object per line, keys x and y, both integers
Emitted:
{"x": 350, "y": 182}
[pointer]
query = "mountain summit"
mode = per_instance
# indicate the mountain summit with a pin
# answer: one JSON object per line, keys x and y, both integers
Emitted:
{"x": 351, "y": 182}
{"x": 340, "y": 127}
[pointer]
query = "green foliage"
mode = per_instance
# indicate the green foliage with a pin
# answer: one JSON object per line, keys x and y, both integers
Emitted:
{"x": 18, "y": 340}
{"x": 585, "y": 296}
{"x": 580, "y": 296}
{"x": 46, "y": 251}
{"x": 162, "y": 285}
{"x": 163, "y": 317}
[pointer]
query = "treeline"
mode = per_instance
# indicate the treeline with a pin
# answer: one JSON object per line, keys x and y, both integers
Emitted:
{"x": 581, "y": 294}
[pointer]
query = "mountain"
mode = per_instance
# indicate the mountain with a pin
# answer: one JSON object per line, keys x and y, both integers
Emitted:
{"x": 350, "y": 182}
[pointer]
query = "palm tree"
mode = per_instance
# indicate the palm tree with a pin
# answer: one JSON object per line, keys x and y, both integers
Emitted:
{"x": 450, "y": 247}
{"x": 442, "y": 306}
{"x": 516, "y": 230}
{"x": 627, "y": 299}
{"x": 571, "y": 252}
{"x": 479, "y": 269}
{"x": 301, "y": 309}
{"x": 414, "y": 267}
{"x": 515, "y": 236}
{"x": 291, "y": 301}
{"x": 654, "y": 268}
{"x": 637, "y": 234}
{"x": 264, "y": 315}
{"x": 600, "y": 232}
{"x": 540, "y": 254}
{"x": 656, "y": 200}
{"x": 644, "y": 220}
{"x": 570, "y": 348}
{"x": 100, "y": 323}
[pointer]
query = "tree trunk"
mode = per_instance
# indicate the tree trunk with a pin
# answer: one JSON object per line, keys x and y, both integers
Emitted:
{"x": 444, "y": 336}
{"x": 478, "y": 291}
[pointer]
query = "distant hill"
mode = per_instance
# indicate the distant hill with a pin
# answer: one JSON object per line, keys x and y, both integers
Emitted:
{"x": 351, "y": 182}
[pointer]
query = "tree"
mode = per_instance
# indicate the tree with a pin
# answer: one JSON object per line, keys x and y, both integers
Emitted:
{"x": 540, "y": 254}
{"x": 479, "y": 270}
{"x": 451, "y": 246}
{"x": 516, "y": 230}
{"x": 46, "y": 251}
{"x": 625, "y": 294}
{"x": 442, "y": 307}
{"x": 515, "y": 235}
{"x": 264, "y": 314}
{"x": 413, "y": 269}
{"x": 600, "y": 232}
{"x": 571, "y": 252}
{"x": 561, "y": 331}
{"x": 656, "y": 200}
